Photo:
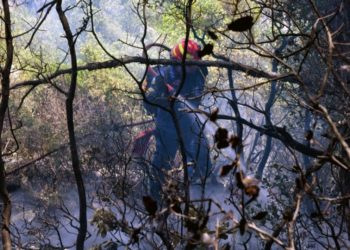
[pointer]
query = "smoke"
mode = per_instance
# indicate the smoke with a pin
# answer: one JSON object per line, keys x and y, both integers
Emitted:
{"x": 209, "y": 130}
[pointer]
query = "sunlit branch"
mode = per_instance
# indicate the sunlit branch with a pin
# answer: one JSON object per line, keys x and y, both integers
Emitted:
{"x": 248, "y": 70}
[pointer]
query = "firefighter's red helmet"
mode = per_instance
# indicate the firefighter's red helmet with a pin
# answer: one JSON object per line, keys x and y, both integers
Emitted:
{"x": 192, "y": 50}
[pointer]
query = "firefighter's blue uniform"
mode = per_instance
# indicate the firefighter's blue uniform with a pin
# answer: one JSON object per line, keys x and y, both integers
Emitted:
{"x": 162, "y": 87}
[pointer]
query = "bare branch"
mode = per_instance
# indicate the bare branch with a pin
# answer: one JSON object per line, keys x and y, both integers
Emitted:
{"x": 250, "y": 71}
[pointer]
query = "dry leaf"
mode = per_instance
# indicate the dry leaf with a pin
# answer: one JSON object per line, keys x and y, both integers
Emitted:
{"x": 212, "y": 35}
{"x": 241, "y": 24}
{"x": 207, "y": 50}
{"x": 259, "y": 216}
{"x": 150, "y": 205}
{"x": 214, "y": 114}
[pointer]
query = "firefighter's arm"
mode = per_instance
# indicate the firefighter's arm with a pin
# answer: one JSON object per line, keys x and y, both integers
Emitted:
{"x": 157, "y": 92}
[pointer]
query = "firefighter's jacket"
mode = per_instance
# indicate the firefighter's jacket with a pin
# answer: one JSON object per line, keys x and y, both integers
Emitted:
{"x": 166, "y": 84}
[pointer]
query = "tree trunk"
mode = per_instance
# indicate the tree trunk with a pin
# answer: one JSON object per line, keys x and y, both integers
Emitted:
{"x": 268, "y": 107}
{"x": 70, "y": 126}
{"x": 5, "y": 94}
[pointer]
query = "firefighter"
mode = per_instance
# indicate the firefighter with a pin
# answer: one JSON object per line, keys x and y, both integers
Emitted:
{"x": 162, "y": 88}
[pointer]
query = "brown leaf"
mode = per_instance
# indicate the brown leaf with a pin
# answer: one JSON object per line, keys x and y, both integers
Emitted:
{"x": 212, "y": 35}
{"x": 241, "y": 24}
{"x": 225, "y": 170}
{"x": 249, "y": 184}
{"x": 239, "y": 180}
{"x": 252, "y": 190}
{"x": 250, "y": 181}
{"x": 207, "y": 50}
{"x": 235, "y": 141}
{"x": 259, "y": 216}
{"x": 221, "y": 135}
{"x": 222, "y": 144}
{"x": 214, "y": 114}
{"x": 150, "y": 205}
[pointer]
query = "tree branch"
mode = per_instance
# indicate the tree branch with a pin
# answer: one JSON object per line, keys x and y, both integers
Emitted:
{"x": 250, "y": 71}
